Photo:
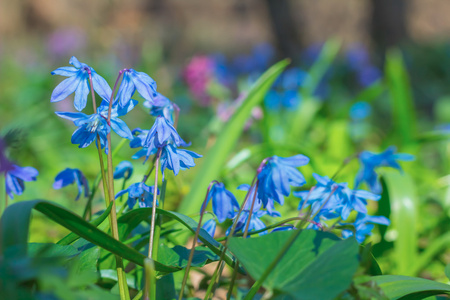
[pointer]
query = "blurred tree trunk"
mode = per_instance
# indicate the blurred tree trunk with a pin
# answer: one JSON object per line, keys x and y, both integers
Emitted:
{"x": 388, "y": 23}
{"x": 284, "y": 28}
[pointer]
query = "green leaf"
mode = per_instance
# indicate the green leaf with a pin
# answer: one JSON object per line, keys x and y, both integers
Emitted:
{"x": 15, "y": 226}
{"x": 178, "y": 256}
{"x": 72, "y": 237}
{"x": 134, "y": 217}
{"x": 318, "y": 265}
{"x": 217, "y": 156}
{"x": 401, "y": 96}
{"x": 409, "y": 288}
{"x": 400, "y": 192}
{"x": 51, "y": 250}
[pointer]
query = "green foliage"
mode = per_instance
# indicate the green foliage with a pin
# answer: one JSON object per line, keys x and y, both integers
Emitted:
{"x": 409, "y": 288}
{"x": 317, "y": 266}
{"x": 218, "y": 154}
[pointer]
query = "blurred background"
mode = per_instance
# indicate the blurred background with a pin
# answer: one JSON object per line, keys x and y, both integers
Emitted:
{"x": 364, "y": 75}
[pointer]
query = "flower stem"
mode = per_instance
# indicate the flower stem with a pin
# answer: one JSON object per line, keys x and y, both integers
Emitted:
{"x": 150, "y": 280}
{"x": 194, "y": 241}
{"x": 155, "y": 193}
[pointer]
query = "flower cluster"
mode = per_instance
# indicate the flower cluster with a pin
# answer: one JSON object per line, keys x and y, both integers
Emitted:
{"x": 326, "y": 203}
{"x": 161, "y": 140}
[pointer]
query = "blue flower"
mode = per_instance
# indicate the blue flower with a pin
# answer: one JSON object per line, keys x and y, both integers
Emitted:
{"x": 139, "y": 192}
{"x": 258, "y": 204}
{"x": 132, "y": 81}
{"x": 123, "y": 170}
{"x": 330, "y": 197}
{"x": 176, "y": 159}
{"x": 255, "y": 221}
{"x": 363, "y": 227}
{"x": 224, "y": 203}
{"x": 278, "y": 175}
{"x": 5, "y": 164}
{"x": 360, "y": 111}
{"x": 89, "y": 126}
{"x": 161, "y": 134}
{"x": 70, "y": 176}
{"x": 210, "y": 227}
{"x": 14, "y": 179}
{"x": 78, "y": 82}
{"x": 370, "y": 161}
{"x": 161, "y": 106}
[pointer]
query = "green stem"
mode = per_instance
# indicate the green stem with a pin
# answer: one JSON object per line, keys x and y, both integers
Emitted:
{"x": 194, "y": 241}
{"x": 155, "y": 193}
{"x": 150, "y": 280}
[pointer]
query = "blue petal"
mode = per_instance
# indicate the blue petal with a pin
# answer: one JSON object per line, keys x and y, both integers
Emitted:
{"x": 81, "y": 94}
{"x": 101, "y": 86}
{"x": 74, "y": 62}
{"x": 66, "y": 87}
{"x": 126, "y": 89}
{"x": 121, "y": 128}
{"x": 82, "y": 137}
{"x": 71, "y": 115}
{"x": 65, "y": 71}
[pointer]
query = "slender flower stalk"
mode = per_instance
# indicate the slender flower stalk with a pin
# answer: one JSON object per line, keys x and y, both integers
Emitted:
{"x": 155, "y": 193}
{"x": 197, "y": 232}
{"x": 109, "y": 194}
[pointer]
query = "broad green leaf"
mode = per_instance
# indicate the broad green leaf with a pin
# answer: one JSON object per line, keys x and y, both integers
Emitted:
{"x": 15, "y": 226}
{"x": 401, "y": 97}
{"x": 217, "y": 156}
{"x": 318, "y": 265}
{"x": 51, "y": 250}
{"x": 136, "y": 216}
{"x": 178, "y": 256}
{"x": 409, "y": 288}
{"x": 400, "y": 192}
{"x": 72, "y": 237}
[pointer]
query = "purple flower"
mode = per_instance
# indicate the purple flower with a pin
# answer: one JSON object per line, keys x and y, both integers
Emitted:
{"x": 15, "y": 178}
{"x": 5, "y": 164}
{"x": 70, "y": 176}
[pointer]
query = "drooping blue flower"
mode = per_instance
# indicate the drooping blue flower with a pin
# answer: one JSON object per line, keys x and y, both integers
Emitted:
{"x": 176, "y": 159}
{"x": 123, "y": 170}
{"x": 360, "y": 110}
{"x": 254, "y": 221}
{"x": 132, "y": 81}
{"x": 91, "y": 126}
{"x": 139, "y": 192}
{"x": 161, "y": 134}
{"x": 78, "y": 82}
{"x": 210, "y": 227}
{"x": 370, "y": 161}
{"x": 161, "y": 106}
{"x": 278, "y": 175}
{"x": 258, "y": 204}
{"x": 330, "y": 197}
{"x": 5, "y": 164}
{"x": 364, "y": 226}
{"x": 70, "y": 176}
{"x": 224, "y": 203}
{"x": 15, "y": 178}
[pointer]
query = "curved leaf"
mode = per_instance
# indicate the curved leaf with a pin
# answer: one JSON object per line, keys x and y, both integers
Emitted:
{"x": 400, "y": 192}
{"x": 15, "y": 226}
{"x": 136, "y": 216}
{"x": 411, "y": 288}
{"x": 216, "y": 157}
{"x": 72, "y": 237}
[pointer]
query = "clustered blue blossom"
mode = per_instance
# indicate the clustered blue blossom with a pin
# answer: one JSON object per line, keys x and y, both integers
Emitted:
{"x": 328, "y": 202}
{"x": 162, "y": 139}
